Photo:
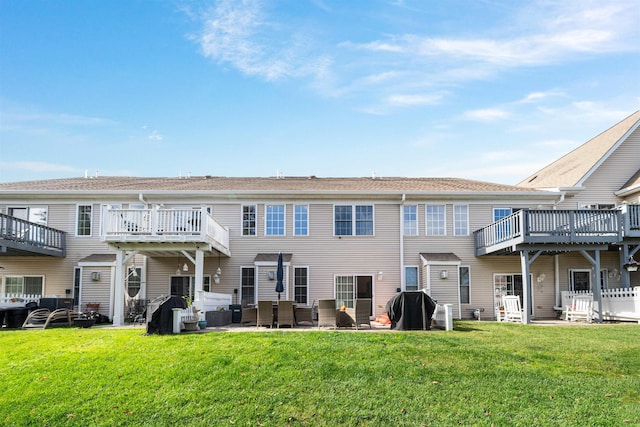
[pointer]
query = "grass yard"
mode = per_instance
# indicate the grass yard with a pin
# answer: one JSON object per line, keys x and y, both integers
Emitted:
{"x": 482, "y": 373}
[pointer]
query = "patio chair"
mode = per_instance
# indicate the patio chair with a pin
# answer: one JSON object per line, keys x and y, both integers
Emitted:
{"x": 363, "y": 310}
{"x": 285, "y": 313}
{"x": 304, "y": 315}
{"x": 61, "y": 315}
{"x": 265, "y": 313}
{"x": 512, "y": 308}
{"x": 36, "y": 319}
{"x": 327, "y": 313}
{"x": 249, "y": 315}
{"x": 581, "y": 308}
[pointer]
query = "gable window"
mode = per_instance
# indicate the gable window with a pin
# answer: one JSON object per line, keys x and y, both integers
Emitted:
{"x": 353, "y": 220}
{"x": 248, "y": 285}
{"x": 28, "y": 285}
{"x": 301, "y": 220}
{"x": 465, "y": 280}
{"x": 410, "y": 216}
{"x": 249, "y": 220}
{"x": 411, "y": 278}
{"x": 301, "y": 285}
{"x": 274, "y": 220}
{"x": 435, "y": 220}
{"x": 83, "y": 221}
{"x": 460, "y": 220}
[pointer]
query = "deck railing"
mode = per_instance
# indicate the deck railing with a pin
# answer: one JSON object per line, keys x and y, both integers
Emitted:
{"x": 169, "y": 224}
{"x": 631, "y": 215}
{"x": 617, "y": 304}
{"x": 29, "y": 236}
{"x": 550, "y": 226}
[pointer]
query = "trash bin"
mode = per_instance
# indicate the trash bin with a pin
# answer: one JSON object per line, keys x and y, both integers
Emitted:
{"x": 15, "y": 317}
{"x": 236, "y": 313}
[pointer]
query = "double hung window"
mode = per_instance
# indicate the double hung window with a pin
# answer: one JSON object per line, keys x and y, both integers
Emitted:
{"x": 249, "y": 213}
{"x": 274, "y": 220}
{"x": 435, "y": 220}
{"x": 460, "y": 220}
{"x": 301, "y": 285}
{"x": 301, "y": 220}
{"x": 410, "y": 216}
{"x": 83, "y": 221}
{"x": 353, "y": 220}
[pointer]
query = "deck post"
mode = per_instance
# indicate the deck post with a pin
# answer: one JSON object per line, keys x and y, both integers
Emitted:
{"x": 526, "y": 287}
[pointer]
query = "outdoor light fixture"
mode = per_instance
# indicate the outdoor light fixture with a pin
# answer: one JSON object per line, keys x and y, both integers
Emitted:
{"x": 380, "y": 275}
{"x": 444, "y": 274}
{"x": 185, "y": 267}
{"x": 219, "y": 270}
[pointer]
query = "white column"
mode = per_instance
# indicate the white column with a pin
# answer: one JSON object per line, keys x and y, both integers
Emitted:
{"x": 118, "y": 298}
{"x": 526, "y": 286}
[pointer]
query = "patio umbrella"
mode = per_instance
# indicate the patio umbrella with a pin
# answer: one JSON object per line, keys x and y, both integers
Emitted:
{"x": 279, "y": 276}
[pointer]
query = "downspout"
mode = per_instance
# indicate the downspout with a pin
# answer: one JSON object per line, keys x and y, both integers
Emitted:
{"x": 556, "y": 262}
{"x": 141, "y": 198}
{"x": 402, "y": 278}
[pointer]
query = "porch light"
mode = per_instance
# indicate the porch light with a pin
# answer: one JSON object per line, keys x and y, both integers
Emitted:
{"x": 185, "y": 267}
{"x": 380, "y": 275}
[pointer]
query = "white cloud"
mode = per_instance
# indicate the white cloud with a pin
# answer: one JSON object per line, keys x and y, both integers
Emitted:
{"x": 239, "y": 33}
{"x": 538, "y": 96}
{"x": 155, "y": 136}
{"x": 410, "y": 100}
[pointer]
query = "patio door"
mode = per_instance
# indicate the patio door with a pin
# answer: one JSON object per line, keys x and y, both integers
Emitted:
{"x": 364, "y": 289}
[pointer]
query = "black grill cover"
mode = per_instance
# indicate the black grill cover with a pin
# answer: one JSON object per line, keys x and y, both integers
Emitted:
{"x": 411, "y": 310}
{"x": 162, "y": 319}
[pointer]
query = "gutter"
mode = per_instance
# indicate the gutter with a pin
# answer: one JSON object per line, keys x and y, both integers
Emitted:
{"x": 402, "y": 278}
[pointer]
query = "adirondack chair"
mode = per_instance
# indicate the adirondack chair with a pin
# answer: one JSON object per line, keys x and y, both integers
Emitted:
{"x": 37, "y": 319}
{"x": 581, "y": 308}
{"x": 363, "y": 308}
{"x": 512, "y": 308}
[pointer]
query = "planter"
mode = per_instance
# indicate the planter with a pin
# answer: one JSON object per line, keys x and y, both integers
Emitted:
{"x": 190, "y": 325}
{"x": 202, "y": 324}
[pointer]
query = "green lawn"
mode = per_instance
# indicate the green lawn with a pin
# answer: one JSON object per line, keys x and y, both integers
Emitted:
{"x": 482, "y": 373}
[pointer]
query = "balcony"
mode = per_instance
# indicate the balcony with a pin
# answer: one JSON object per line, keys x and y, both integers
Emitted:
{"x": 631, "y": 216}
{"x": 23, "y": 238}
{"x": 162, "y": 226}
{"x": 561, "y": 228}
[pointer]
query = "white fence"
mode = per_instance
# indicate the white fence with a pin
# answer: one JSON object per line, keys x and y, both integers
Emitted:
{"x": 19, "y": 300}
{"x": 443, "y": 316}
{"x": 617, "y": 304}
{"x": 210, "y": 301}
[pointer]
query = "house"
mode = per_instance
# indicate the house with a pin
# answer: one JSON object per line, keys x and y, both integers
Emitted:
{"x": 106, "y": 240}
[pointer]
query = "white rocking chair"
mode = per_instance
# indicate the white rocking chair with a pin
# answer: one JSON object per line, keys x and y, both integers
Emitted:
{"x": 512, "y": 308}
{"x": 581, "y": 308}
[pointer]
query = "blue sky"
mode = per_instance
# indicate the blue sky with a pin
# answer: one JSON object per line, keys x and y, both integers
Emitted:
{"x": 481, "y": 89}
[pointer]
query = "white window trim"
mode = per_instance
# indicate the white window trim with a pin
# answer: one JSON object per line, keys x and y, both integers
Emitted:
{"x": 22, "y": 276}
{"x": 308, "y": 220}
{"x": 426, "y": 217}
{"x": 417, "y": 232}
{"x": 306, "y": 267}
{"x": 284, "y": 217}
{"x": 454, "y": 220}
{"x": 468, "y": 267}
{"x": 255, "y": 206}
{"x": 78, "y": 206}
{"x": 417, "y": 267}
{"x": 353, "y": 220}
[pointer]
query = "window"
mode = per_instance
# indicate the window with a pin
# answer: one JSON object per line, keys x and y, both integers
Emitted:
{"x": 274, "y": 220}
{"x": 411, "y": 278}
{"x": 249, "y": 220}
{"x": 76, "y": 286}
{"x": 301, "y": 220}
{"x": 301, "y": 285}
{"x": 460, "y": 220}
{"x": 410, "y": 215}
{"x": 133, "y": 281}
{"x": 28, "y": 285}
{"x": 344, "y": 291}
{"x": 353, "y": 220}
{"x": 435, "y": 220}
{"x": 83, "y": 221}
{"x": 465, "y": 279}
{"x": 248, "y": 285}
{"x": 499, "y": 213}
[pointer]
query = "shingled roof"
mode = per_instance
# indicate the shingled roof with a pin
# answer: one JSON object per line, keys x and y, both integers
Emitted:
{"x": 230, "y": 185}
{"x": 571, "y": 169}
